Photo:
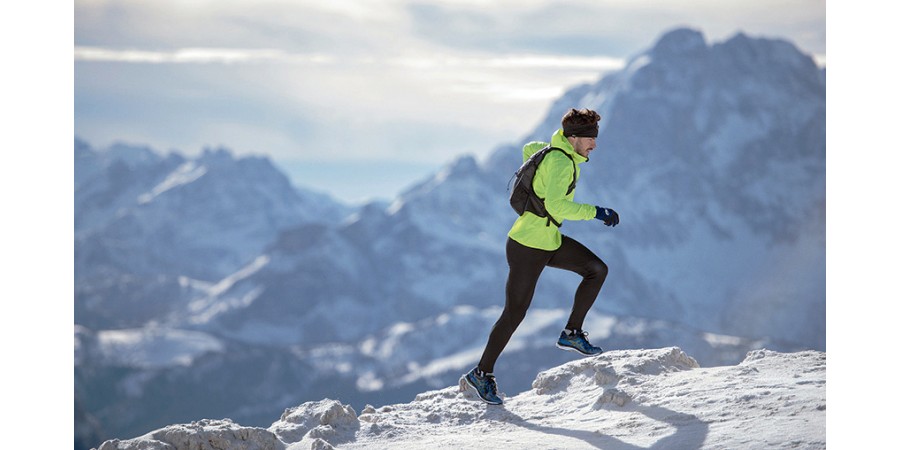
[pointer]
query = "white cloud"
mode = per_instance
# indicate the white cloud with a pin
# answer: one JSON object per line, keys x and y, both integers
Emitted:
{"x": 393, "y": 79}
{"x": 820, "y": 59}
{"x": 520, "y": 61}
{"x": 244, "y": 55}
{"x": 521, "y": 79}
{"x": 197, "y": 56}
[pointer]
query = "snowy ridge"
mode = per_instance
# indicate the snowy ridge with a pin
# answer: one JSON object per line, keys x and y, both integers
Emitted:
{"x": 186, "y": 173}
{"x": 150, "y": 347}
{"x": 630, "y": 399}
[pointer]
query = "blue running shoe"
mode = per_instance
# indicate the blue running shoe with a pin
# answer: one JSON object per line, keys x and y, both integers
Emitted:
{"x": 577, "y": 342}
{"x": 485, "y": 385}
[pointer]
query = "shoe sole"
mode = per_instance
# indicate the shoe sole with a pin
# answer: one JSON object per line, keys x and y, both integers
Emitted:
{"x": 479, "y": 395}
{"x": 573, "y": 349}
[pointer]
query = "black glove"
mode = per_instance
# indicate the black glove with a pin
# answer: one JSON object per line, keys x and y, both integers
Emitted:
{"x": 608, "y": 216}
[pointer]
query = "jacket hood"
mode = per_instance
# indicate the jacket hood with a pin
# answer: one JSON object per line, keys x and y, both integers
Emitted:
{"x": 558, "y": 140}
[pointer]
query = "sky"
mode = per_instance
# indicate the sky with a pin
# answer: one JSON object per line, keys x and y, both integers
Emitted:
{"x": 361, "y": 98}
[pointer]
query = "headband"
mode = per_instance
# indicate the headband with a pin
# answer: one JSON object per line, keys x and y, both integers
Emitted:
{"x": 585, "y": 130}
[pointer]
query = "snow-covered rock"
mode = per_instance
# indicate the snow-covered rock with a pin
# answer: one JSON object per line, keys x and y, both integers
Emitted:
{"x": 316, "y": 422}
{"x": 201, "y": 435}
{"x": 652, "y": 398}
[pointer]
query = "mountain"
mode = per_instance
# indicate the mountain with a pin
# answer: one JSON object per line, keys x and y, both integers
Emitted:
{"x": 713, "y": 155}
{"x": 658, "y": 398}
{"x": 150, "y": 229}
{"x": 153, "y": 232}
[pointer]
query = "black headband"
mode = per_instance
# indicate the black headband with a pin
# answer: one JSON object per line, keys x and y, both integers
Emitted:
{"x": 586, "y": 130}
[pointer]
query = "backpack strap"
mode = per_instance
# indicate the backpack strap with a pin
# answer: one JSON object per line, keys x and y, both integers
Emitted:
{"x": 550, "y": 218}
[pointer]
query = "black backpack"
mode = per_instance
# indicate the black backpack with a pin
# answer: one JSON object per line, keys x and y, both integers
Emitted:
{"x": 522, "y": 198}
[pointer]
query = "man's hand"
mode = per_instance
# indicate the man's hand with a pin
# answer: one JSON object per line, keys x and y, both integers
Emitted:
{"x": 608, "y": 216}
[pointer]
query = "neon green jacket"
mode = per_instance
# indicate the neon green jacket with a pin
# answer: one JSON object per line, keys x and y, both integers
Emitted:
{"x": 551, "y": 181}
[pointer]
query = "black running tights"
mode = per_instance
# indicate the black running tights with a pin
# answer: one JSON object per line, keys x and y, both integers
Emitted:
{"x": 525, "y": 266}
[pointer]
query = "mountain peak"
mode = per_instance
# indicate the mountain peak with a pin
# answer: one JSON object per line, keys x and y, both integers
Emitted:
{"x": 657, "y": 398}
{"x": 678, "y": 43}
{"x": 761, "y": 53}
{"x": 217, "y": 154}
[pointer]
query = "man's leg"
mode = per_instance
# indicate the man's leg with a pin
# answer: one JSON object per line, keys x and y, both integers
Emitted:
{"x": 575, "y": 257}
{"x": 525, "y": 266}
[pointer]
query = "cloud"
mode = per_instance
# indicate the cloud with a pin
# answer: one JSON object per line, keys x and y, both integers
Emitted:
{"x": 300, "y": 26}
{"x": 522, "y": 61}
{"x": 617, "y": 28}
{"x": 394, "y": 79}
{"x": 198, "y": 56}
{"x": 400, "y": 84}
{"x": 243, "y": 55}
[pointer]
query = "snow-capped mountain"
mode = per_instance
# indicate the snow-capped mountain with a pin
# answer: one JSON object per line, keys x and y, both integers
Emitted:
{"x": 151, "y": 231}
{"x": 713, "y": 155}
{"x": 658, "y": 398}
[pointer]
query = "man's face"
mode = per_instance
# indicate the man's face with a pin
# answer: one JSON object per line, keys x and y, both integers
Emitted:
{"x": 584, "y": 145}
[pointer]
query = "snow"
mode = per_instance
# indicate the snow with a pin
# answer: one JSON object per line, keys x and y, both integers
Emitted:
{"x": 155, "y": 347}
{"x": 204, "y": 309}
{"x": 624, "y": 399}
{"x": 186, "y": 173}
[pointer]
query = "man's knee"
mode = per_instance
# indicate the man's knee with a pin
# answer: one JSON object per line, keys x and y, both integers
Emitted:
{"x": 597, "y": 269}
{"x": 511, "y": 318}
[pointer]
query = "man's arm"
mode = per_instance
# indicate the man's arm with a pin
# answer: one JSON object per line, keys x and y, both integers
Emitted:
{"x": 556, "y": 172}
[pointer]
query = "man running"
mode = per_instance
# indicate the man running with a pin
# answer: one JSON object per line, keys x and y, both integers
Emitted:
{"x": 535, "y": 242}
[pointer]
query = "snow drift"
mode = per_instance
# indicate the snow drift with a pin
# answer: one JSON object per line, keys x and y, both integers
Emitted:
{"x": 628, "y": 399}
